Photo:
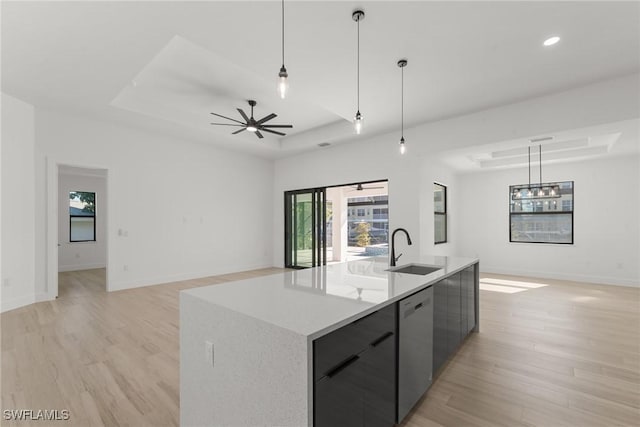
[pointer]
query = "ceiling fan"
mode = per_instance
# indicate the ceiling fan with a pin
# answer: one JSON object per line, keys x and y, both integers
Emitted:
{"x": 359, "y": 187}
{"x": 251, "y": 124}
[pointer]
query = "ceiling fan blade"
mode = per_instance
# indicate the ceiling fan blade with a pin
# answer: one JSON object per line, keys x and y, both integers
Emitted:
{"x": 277, "y": 126}
{"x": 228, "y": 118}
{"x": 273, "y": 131}
{"x": 238, "y": 131}
{"x": 258, "y": 134}
{"x": 267, "y": 118}
{"x": 244, "y": 116}
{"x": 225, "y": 124}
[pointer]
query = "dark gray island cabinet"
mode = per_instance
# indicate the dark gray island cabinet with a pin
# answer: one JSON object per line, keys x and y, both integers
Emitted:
{"x": 372, "y": 371}
{"x": 346, "y": 344}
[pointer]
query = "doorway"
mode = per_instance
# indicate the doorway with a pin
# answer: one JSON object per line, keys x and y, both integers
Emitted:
{"x": 305, "y": 228}
{"x": 336, "y": 223}
{"x": 77, "y": 254}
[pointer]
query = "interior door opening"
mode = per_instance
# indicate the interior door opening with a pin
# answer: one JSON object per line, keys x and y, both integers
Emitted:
{"x": 346, "y": 223}
{"x": 81, "y": 230}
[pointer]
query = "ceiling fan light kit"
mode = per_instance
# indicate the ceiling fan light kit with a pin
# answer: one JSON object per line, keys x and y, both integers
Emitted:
{"x": 252, "y": 125}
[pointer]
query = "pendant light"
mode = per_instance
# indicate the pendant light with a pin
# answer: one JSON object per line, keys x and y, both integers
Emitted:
{"x": 541, "y": 190}
{"x": 402, "y": 63}
{"x": 283, "y": 82}
{"x": 358, "y": 15}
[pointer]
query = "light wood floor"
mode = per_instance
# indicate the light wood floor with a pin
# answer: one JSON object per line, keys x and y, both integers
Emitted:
{"x": 549, "y": 353}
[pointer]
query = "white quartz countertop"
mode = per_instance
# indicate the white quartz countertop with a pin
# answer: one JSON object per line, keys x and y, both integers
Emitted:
{"x": 316, "y": 301}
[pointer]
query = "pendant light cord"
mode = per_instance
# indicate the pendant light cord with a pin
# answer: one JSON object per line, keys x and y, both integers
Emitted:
{"x": 283, "y": 33}
{"x": 529, "y": 167}
{"x": 402, "y": 104}
{"x": 358, "y": 67}
{"x": 540, "y": 161}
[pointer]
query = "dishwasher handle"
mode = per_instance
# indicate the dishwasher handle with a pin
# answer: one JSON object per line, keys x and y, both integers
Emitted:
{"x": 408, "y": 311}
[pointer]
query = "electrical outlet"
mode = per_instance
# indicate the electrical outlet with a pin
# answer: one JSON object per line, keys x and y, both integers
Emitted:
{"x": 6, "y": 282}
{"x": 125, "y": 267}
{"x": 210, "y": 357}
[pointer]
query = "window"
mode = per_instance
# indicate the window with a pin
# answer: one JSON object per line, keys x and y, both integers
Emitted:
{"x": 82, "y": 216}
{"x": 360, "y": 212}
{"x": 542, "y": 213}
{"x": 439, "y": 213}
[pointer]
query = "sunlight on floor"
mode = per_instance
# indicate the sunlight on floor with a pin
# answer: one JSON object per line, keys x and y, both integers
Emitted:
{"x": 508, "y": 286}
{"x": 497, "y": 288}
{"x": 584, "y": 299}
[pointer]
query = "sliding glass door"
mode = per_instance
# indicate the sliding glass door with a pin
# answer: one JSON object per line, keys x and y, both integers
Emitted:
{"x": 305, "y": 230}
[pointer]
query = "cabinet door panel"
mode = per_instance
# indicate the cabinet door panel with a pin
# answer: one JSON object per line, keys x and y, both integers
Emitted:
{"x": 439, "y": 324}
{"x": 453, "y": 313}
{"x": 340, "y": 344}
{"x": 380, "y": 387}
{"x": 464, "y": 309}
{"x": 469, "y": 282}
{"x": 339, "y": 399}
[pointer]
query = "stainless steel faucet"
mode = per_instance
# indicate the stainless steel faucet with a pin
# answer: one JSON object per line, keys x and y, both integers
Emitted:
{"x": 393, "y": 260}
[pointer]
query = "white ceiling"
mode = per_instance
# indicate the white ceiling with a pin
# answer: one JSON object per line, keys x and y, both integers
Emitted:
{"x": 619, "y": 138}
{"x": 84, "y": 57}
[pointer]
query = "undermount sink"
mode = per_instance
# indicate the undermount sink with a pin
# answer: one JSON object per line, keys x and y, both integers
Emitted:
{"x": 414, "y": 269}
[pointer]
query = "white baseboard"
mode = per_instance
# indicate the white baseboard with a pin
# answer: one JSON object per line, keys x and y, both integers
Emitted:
{"x": 16, "y": 302}
{"x": 600, "y": 280}
{"x": 122, "y": 285}
{"x": 79, "y": 267}
{"x": 44, "y": 297}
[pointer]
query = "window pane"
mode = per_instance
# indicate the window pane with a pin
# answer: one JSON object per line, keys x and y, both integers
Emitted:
{"x": 82, "y": 203}
{"x": 542, "y": 228}
{"x": 440, "y": 228}
{"x": 82, "y": 229}
{"x": 439, "y": 198}
{"x": 542, "y": 212}
{"x": 82, "y": 211}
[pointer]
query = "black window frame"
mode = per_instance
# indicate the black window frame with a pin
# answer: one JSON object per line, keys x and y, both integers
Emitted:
{"x": 534, "y": 187}
{"x": 442, "y": 214}
{"x": 84, "y": 216}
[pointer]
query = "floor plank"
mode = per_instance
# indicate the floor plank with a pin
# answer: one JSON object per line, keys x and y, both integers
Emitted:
{"x": 549, "y": 353}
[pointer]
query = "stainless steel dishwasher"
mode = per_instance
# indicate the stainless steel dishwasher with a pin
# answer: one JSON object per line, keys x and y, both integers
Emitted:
{"x": 415, "y": 349}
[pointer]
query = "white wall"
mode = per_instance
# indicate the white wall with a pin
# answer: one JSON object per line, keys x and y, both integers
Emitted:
{"x": 606, "y": 245}
{"x": 82, "y": 255}
{"x": 433, "y": 171}
{"x": 411, "y": 176}
{"x": 177, "y": 209}
{"x": 378, "y": 159}
{"x": 18, "y": 204}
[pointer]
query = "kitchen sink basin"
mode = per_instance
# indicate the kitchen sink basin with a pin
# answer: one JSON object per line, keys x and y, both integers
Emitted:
{"x": 414, "y": 269}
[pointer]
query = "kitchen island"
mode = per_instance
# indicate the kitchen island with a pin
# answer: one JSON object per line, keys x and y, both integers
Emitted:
{"x": 277, "y": 350}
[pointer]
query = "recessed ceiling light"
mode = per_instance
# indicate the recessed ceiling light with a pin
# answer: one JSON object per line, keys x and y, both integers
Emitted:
{"x": 551, "y": 41}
